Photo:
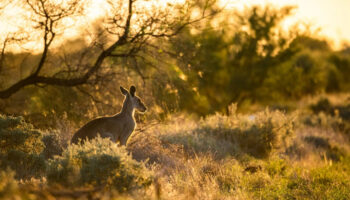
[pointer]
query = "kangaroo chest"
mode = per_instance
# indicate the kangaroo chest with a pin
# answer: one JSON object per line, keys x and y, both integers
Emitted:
{"x": 128, "y": 127}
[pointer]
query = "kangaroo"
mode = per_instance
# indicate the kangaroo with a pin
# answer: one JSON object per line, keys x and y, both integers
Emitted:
{"x": 118, "y": 127}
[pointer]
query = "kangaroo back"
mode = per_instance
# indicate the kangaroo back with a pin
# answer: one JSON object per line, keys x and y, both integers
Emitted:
{"x": 89, "y": 130}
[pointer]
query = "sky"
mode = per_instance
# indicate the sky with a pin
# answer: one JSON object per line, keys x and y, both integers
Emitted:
{"x": 331, "y": 16}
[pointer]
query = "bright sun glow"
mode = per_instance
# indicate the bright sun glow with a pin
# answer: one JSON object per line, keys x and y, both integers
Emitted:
{"x": 331, "y": 16}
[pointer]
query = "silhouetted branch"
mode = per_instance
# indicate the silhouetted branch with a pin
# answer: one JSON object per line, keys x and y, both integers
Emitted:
{"x": 132, "y": 34}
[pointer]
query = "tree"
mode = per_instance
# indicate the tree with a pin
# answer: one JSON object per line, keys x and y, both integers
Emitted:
{"x": 228, "y": 65}
{"x": 129, "y": 27}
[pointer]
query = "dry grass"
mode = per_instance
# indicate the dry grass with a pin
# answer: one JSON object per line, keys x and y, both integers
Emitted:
{"x": 219, "y": 158}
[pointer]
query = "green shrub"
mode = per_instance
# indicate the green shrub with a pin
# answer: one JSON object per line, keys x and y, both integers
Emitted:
{"x": 53, "y": 145}
{"x": 21, "y": 147}
{"x": 25, "y": 165}
{"x": 327, "y": 121}
{"x": 257, "y": 135}
{"x": 98, "y": 162}
{"x": 269, "y": 131}
{"x": 15, "y": 133}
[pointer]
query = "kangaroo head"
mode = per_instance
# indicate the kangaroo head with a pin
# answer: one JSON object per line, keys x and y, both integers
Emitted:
{"x": 132, "y": 99}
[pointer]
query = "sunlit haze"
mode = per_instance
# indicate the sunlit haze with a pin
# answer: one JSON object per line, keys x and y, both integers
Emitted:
{"x": 330, "y": 16}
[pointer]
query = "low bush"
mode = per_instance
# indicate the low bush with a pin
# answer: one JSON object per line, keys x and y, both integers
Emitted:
{"x": 98, "y": 162}
{"x": 267, "y": 132}
{"x": 15, "y": 133}
{"x": 325, "y": 106}
{"x": 21, "y": 147}
{"x": 257, "y": 135}
{"x": 53, "y": 145}
{"x": 327, "y": 121}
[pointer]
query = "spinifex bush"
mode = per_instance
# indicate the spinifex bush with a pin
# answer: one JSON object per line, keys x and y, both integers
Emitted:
{"x": 98, "y": 162}
{"x": 20, "y": 147}
{"x": 257, "y": 135}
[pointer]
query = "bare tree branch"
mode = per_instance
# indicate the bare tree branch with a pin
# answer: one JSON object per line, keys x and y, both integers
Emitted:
{"x": 130, "y": 34}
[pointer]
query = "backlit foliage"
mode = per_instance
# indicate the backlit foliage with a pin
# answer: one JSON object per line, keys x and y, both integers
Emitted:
{"x": 21, "y": 147}
{"x": 98, "y": 162}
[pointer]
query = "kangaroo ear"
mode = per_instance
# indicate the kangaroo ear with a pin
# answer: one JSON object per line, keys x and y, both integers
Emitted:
{"x": 132, "y": 90}
{"x": 123, "y": 90}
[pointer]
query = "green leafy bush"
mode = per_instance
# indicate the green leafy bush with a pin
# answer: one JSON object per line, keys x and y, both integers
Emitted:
{"x": 98, "y": 162}
{"x": 21, "y": 147}
{"x": 15, "y": 133}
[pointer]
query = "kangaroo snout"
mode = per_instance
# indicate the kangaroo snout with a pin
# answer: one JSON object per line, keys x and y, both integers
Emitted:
{"x": 143, "y": 109}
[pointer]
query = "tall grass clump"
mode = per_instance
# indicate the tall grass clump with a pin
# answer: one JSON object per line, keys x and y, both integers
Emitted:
{"x": 98, "y": 162}
{"x": 327, "y": 115}
{"x": 260, "y": 134}
{"x": 257, "y": 135}
{"x": 21, "y": 147}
